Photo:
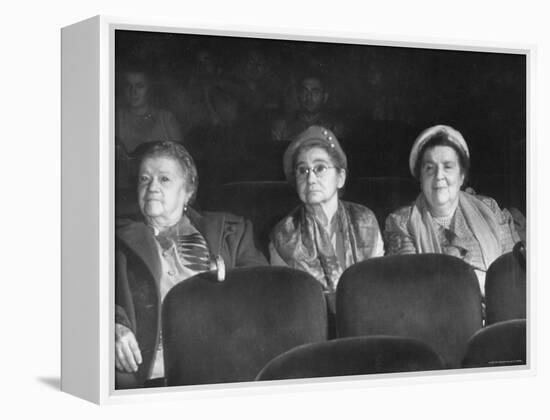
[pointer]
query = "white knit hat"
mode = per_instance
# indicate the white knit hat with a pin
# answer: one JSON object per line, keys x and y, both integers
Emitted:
{"x": 452, "y": 134}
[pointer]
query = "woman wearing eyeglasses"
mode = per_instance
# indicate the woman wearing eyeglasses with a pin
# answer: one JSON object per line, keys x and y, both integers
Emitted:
{"x": 324, "y": 235}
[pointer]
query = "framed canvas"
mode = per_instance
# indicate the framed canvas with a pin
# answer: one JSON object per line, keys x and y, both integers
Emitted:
{"x": 146, "y": 314}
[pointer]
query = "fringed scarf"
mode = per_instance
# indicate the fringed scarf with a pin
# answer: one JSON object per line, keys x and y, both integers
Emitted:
{"x": 479, "y": 217}
{"x": 304, "y": 244}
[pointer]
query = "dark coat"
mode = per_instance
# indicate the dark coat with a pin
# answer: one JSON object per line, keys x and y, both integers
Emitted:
{"x": 138, "y": 273}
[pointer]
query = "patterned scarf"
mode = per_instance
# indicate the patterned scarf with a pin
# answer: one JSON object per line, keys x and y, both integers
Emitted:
{"x": 191, "y": 246}
{"x": 303, "y": 244}
{"x": 479, "y": 218}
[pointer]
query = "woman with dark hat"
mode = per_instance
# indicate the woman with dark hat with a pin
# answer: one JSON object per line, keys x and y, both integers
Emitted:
{"x": 324, "y": 235}
{"x": 444, "y": 219}
{"x": 172, "y": 243}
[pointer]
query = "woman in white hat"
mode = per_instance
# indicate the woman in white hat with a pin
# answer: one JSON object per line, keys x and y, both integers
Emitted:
{"x": 324, "y": 235}
{"x": 444, "y": 219}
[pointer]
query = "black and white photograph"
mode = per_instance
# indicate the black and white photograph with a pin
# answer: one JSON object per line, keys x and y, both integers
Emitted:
{"x": 276, "y": 210}
{"x": 291, "y": 209}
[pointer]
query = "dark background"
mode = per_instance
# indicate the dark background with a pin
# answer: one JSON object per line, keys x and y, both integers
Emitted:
{"x": 385, "y": 96}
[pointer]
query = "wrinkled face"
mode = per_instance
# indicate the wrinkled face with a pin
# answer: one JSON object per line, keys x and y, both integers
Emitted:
{"x": 312, "y": 95}
{"x": 162, "y": 189}
{"x": 441, "y": 177}
{"x": 135, "y": 89}
{"x": 317, "y": 180}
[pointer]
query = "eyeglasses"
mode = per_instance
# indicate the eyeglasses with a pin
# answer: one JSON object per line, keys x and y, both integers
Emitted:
{"x": 320, "y": 170}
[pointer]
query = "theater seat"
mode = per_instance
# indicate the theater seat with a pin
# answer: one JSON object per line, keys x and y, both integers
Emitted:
{"x": 382, "y": 194}
{"x": 216, "y": 332}
{"x": 507, "y": 190}
{"x": 500, "y": 344}
{"x": 352, "y": 356}
{"x": 431, "y": 297}
{"x": 505, "y": 288}
{"x": 379, "y": 148}
{"x": 264, "y": 203}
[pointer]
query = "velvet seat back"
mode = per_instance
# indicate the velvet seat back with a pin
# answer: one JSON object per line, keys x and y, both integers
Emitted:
{"x": 432, "y": 297}
{"x": 381, "y": 194}
{"x": 216, "y": 332}
{"x": 505, "y": 289}
{"x": 352, "y": 356}
{"x": 500, "y": 344}
{"x": 264, "y": 203}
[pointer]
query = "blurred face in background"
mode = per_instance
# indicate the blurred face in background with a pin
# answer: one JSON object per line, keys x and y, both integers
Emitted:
{"x": 311, "y": 95}
{"x": 136, "y": 89}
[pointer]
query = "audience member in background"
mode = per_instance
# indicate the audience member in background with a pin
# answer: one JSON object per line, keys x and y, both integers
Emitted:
{"x": 137, "y": 121}
{"x": 252, "y": 76}
{"x": 444, "y": 219}
{"x": 324, "y": 235}
{"x": 261, "y": 82}
{"x": 256, "y": 90}
{"x": 172, "y": 243}
{"x": 312, "y": 96}
{"x": 208, "y": 98}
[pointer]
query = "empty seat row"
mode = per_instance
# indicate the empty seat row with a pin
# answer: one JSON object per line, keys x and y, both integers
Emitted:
{"x": 229, "y": 331}
{"x": 353, "y": 356}
{"x": 501, "y": 344}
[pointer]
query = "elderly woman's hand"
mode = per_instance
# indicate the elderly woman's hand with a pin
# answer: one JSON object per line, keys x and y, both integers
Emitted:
{"x": 127, "y": 353}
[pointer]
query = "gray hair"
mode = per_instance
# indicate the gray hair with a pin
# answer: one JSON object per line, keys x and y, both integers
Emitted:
{"x": 177, "y": 152}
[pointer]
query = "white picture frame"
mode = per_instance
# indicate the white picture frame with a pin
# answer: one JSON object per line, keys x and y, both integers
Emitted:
{"x": 88, "y": 60}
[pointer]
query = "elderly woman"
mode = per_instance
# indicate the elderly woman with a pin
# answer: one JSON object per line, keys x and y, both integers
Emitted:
{"x": 324, "y": 235}
{"x": 171, "y": 244}
{"x": 444, "y": 219}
